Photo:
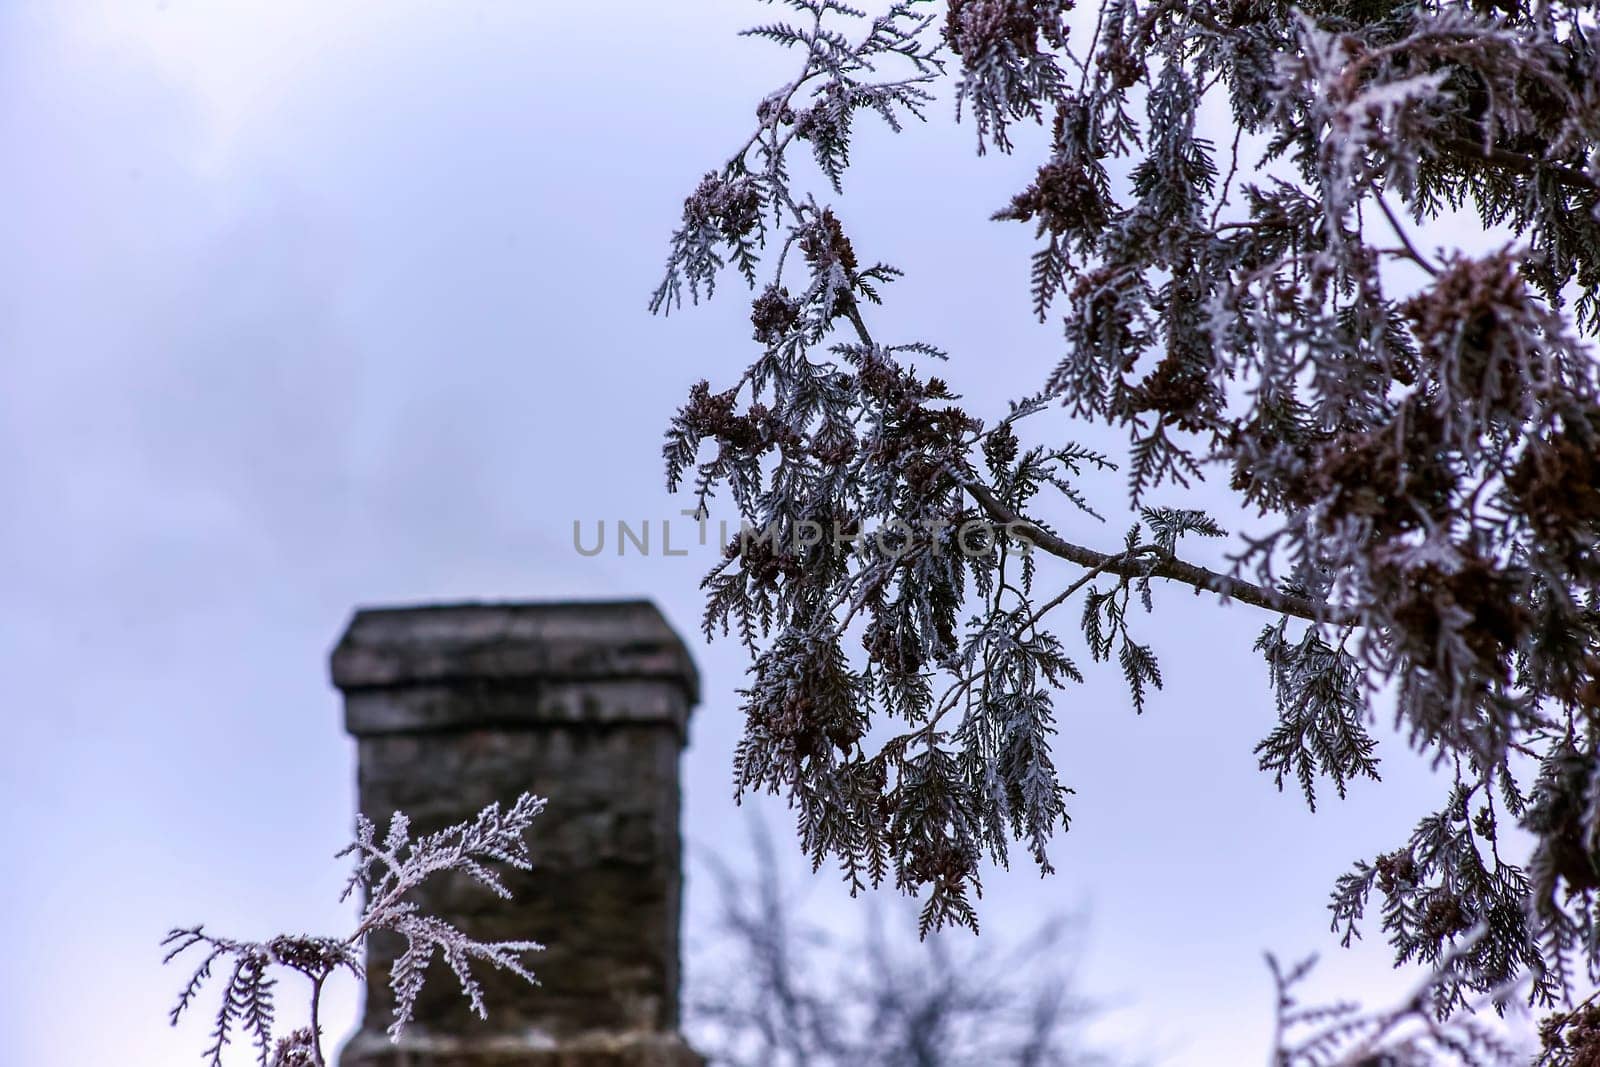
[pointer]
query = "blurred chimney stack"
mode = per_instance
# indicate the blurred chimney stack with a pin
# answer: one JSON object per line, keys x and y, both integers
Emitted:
{"x": 586, "y": 703}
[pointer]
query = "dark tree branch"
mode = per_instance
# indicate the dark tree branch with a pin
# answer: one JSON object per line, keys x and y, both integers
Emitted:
{"x": 1399, "y": 231}
{"x": 1169, "y": 567}
{"x": 1125, "y": 566}
{"x": 1519, "y": 163}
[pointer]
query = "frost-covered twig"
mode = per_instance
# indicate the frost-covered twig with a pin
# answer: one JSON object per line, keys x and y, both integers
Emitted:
{"x": 384, "y": 872}
{"x": 1408, "y": 1034}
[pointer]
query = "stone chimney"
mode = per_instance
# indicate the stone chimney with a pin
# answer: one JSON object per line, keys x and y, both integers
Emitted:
{"x": 586, "y": 703}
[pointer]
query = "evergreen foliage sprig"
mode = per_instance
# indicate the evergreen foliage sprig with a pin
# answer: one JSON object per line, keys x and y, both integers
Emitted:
{"x": 385, "y": 872}
{"x": 1405, "y": 1035}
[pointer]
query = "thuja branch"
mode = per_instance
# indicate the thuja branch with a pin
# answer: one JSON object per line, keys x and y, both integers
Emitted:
{"x": 1519, "y": 163}
{"x": 385, "y": 872}
{"x": 1167, "y": 566}
{"x": 1425, "y": 463}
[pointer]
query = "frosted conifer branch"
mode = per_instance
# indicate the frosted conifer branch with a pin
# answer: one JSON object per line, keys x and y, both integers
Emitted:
{"x": 1416, "y": 429}
{"x": 384, "y": 872}
{"x": 1406, "y": 1035}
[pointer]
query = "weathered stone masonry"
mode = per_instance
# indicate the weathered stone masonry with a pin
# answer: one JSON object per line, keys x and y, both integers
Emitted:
{"x": 455, "y": 706}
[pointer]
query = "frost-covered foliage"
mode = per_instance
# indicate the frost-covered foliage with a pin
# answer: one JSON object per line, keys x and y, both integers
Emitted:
{"x": 385, "y": 872}
{"x": 1406, "y": 1035}
{"x": 1417, "y": 428}
{"x": 780, "y": 992}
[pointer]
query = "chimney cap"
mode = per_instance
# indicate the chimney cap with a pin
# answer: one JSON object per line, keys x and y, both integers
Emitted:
{"x": 528, "y": 641}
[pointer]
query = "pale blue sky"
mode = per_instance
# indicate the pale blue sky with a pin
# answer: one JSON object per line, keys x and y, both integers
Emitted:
{"x": 305, "y": 305}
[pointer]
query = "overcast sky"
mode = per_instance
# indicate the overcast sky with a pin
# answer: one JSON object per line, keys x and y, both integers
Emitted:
{"x": 307, "y": 304}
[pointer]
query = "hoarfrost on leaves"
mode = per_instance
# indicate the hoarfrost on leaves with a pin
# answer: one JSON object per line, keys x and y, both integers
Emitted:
{"x": 1405, "y": 1035}
{"x": 1417, "y": 430}
{"x": 384, "y": 872}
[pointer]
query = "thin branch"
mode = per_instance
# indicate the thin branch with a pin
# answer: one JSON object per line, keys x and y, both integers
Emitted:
{"x": 1519, "y": 163}
{"x": 316, "y": 1023}
{"x": 1121, "y": 564}
{"x": 1400, "y": 232}
{"x": 1168, "y": 567}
